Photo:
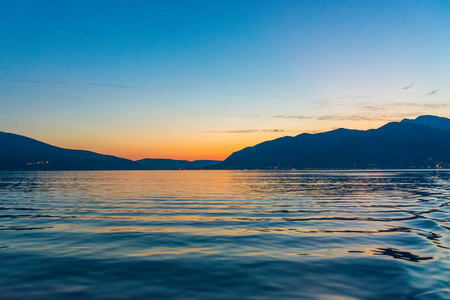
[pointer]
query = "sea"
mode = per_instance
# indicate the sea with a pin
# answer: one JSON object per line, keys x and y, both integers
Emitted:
{"x": 225, "y": 234}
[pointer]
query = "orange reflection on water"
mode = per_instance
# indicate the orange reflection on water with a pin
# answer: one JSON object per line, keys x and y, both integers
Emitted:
{"x": 189, "y": 230}
{"x": 172, "y": 251}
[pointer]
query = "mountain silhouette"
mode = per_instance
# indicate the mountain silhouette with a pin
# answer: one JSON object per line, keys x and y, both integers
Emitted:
{"x": 22, "y": 153}
{"x": 420, "y": 143}
{"x": 171, "y": 164}
{"x": 431, "y": 121}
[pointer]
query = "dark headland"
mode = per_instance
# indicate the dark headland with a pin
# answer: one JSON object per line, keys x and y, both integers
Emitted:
{"x": 410, "y": 144}
{"x": 22, "y": 153}
{"x": 420, "y": 143}
{"x": 172, "y": 164}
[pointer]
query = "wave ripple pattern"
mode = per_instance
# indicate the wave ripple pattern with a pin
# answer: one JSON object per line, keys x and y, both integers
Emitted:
{"x": 225, "y": 235}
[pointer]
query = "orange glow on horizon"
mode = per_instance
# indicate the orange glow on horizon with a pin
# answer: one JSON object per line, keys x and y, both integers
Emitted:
{"x": 183, "y": 145}
{"x": 205, "y": 146}
{"x": 178, "y": 150}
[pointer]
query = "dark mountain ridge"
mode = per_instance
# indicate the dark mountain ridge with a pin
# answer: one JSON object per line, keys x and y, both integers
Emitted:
{"x": 22, "y": 153}
{"x": 431, "y": 121}
{"x": 172, "y": 164}
{"x": 420, "y": 143}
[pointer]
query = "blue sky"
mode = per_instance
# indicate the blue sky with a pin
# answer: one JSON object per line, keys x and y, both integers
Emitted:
{"x": 201, "y": 79}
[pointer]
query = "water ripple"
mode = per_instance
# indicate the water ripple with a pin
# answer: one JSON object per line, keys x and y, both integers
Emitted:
{"x": 219, "y": 234}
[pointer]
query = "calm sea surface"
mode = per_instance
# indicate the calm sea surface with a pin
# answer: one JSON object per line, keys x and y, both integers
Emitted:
{"x": 225, "y": 234}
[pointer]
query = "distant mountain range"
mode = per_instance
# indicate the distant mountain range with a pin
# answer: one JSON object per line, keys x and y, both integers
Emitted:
{"x": 22, "y": 153}
{"x": 420, "y": 143}
{"x": 171, "y": 164}
{"x": 431, "y": 121}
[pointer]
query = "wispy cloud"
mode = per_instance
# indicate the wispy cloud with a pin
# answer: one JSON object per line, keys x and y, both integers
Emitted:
{"x": 370, "y": 117}
{"x": 368, "y": 106}
{"x": 432, "y": 93}
{"x": 347, "y": 101}
{"x": 317, "y": 131}
{"x": 53, "y": 83}
{"x": 356, "y": 97}
{"x": 300, "y": 117}
{"x": 246, "y": 131}
{"x": 351, "y": 118}
{"x": 297, "y": 131}
{"x": 408, "y": 86}
{"x": 379, "y": 115}
{"x": 372, "y": 108}
{"x": 40, "y": 82}
{"x": 421, "y": 105}
{"x": 234, "y": 116}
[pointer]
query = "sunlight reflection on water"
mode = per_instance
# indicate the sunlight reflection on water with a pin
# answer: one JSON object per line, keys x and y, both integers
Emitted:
{"x": 225, "y": 234}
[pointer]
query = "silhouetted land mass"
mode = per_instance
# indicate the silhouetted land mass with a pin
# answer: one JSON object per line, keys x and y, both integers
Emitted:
{"x": 420, "y": 143}
{"x": 431, "y": 121}
{"x": 171, "y": 164}
{"x": 23, "y": 153}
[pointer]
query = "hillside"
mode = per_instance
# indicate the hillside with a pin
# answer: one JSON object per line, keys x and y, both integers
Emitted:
{"x": 22, "y": 153}
{"x": 171, "y": 164}
{"x": 420, "y": 143}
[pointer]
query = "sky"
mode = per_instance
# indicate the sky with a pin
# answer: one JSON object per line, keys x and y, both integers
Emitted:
{"x": 202, "y": 79}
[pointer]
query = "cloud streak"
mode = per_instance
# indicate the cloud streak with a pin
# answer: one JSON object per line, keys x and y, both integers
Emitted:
{"x": 421, "y": 105}
{"x": 299, "y": 117}
{"x": 369, "y": 117}
{"x": 408, "y": 86}
{"x": 370, "y": 107}
{"x": 246, "y": 131}
{"x": 345, "y": 118}
{"x": 235, "y": 116}
{"x": 356, "y": 97}
{"x": 52, "y": 83}
{"x": 432, "y": 93}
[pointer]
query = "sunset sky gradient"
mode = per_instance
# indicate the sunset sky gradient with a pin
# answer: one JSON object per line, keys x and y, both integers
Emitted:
{"x": 202, "y": 79}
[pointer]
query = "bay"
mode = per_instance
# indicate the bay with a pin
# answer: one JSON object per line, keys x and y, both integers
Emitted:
{"x": 225, "y": 234}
